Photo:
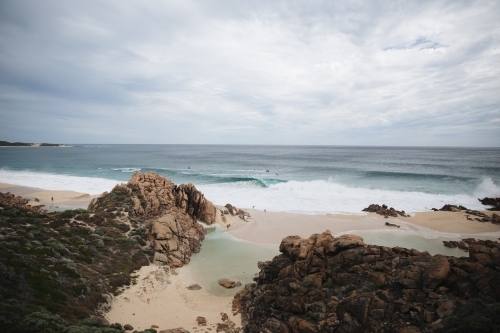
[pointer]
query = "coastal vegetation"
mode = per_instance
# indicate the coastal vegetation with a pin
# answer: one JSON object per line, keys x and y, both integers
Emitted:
{"x": 59, "y": 271}
{"x": 24, "y": 144}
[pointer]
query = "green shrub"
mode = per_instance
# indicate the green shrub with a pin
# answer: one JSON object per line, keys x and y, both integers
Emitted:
{"x": 335, "y": 270}
{"x": 307, "y": 282}
{"x": 127, "y": 241}
{"x": 41, "y": 322}
{"x": 328, "y": 285}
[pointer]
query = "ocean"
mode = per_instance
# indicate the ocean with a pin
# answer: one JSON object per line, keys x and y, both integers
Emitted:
{"x": 301, "y": 179}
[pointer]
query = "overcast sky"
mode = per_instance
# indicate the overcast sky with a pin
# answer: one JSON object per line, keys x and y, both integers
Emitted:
{"x": 251, "y": 72}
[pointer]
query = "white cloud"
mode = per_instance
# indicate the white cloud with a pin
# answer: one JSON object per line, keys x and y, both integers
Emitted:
{"x": 252, "y": 72}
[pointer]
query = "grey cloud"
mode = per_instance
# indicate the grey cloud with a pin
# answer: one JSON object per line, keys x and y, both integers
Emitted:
{"x": 320, "y": 72}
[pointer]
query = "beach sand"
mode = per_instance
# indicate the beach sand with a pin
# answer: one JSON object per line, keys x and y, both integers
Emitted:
{"x": 272, "y": 227}
{"x": 67, "y": 199}
{"x": 172, "y": 305}
{"x": 161, "y": 298}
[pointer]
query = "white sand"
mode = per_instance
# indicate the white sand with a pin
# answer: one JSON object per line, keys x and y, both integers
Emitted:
{"x": 162, "y": 299}
{"x": 61, "y": 198}
{"x": 272, "y": 227}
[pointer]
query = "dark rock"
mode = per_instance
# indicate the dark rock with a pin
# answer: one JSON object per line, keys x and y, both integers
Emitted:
{"x": 384, "y": 211}
{"x": 201, "y": 321}
{"x": 226, "y": 283}
{"x": 128, "y": 327}
{"x": 452, "y": 208}
{"x": 174, "y": 330}
{"x": 194, "y": 287}
{"x": 327, "y": 284}
{"x": 495, "y": 202}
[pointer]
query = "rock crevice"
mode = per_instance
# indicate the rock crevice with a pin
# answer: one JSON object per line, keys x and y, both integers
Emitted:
{"x": 340, "y": 284}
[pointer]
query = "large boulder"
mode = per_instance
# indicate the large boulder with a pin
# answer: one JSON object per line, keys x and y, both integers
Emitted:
{"x": 170, "y": 213}
{"x": 340, "y": 284}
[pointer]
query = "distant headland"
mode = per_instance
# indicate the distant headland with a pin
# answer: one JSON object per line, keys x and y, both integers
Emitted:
{"x": 24, "y": 144}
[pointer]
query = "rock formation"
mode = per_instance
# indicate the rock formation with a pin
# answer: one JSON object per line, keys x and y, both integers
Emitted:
{"x": 384, "y": 211}
{"x": 170, "y": 213}
{"x": 230, "y": 209}
{"x": 153, "y": 195}
{"x": 495, "y": 202}
{"x": 10, "y": 200}
{"x": 450, "y": 208}
{"x": 327, "y": 284}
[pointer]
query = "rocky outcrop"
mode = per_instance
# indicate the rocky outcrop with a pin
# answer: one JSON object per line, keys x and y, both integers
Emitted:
{"x": 151, "y": 195}
{"x": 327, "y": 284}
{"x": 230, "y": 209}
{"x": 384, "y": 211}
{"x": 170, "y": 213}
{"x": 450, "y": 208}
{"x": 12, "y": 201}
{"x": 494, "y": 202}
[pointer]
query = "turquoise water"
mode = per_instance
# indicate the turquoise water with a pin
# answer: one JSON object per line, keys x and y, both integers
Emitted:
{"x": 306, "y": 179}
{"x": 224, "y": 256}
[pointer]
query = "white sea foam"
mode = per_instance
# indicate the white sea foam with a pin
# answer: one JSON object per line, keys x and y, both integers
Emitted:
{"x": 308, "y": 197}
{"x": 487, "y": 188}
{"x": 321, "y": 196}
{"x": 57, "y": 182}
{"x": 127, "y": 169}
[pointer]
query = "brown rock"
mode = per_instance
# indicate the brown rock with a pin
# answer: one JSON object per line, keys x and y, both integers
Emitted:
{"x": 435, "y": 273}
{"x": 194, "y": 287}
{"x": 171, "y": 214}
{"x": 201, "y": 321}
{"x": 227, "y": 283}
{"x": 175, "y": 330}
{"x": 8, "y": 199}
{"x": 128, "y": 327}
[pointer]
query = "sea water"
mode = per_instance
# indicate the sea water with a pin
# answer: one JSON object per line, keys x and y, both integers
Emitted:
{"x": 226, "y": 257}
{"x": 303, "y": 179}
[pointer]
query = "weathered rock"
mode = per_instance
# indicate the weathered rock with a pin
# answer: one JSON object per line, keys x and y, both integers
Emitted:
{"x": 384, "y": 211}
{"x": 226, "y": 283}
{"x": 128, "y": 327}
{"x": 9, "y": 199}
{"x": 174, "y": 330}
{"x": 194, "y": 287}
{"x": 495, "y": 202}
{"x": 201, "y": 321}
{"x": 171, "y": 213}
{"x": 452, "y": 208}
{"x": 327, "y": 284}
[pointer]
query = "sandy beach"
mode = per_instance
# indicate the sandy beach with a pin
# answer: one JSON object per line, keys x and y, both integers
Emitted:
{"x": 272, "y": 227}
{"x": 68, "y": 199}
{"x": 160, "y": 296}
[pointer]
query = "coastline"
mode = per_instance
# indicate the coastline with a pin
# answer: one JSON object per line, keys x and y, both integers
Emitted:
{"x": 132, "y": 305}
{"x": 62, "y": 198}
{"x": 271, "y": 227}
{"x": 161, "y": 298}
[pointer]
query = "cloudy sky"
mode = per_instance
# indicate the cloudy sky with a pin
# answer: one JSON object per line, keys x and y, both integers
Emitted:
{"x": 251, "y": 72}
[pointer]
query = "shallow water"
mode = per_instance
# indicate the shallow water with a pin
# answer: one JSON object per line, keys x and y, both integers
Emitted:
{"x": 411, "y": 240}
{"x": 223, "y": 256}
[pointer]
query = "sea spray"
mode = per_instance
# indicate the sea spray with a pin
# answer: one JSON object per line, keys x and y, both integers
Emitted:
{"x": 319, "y": 197}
